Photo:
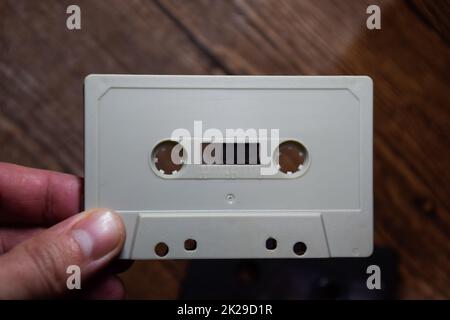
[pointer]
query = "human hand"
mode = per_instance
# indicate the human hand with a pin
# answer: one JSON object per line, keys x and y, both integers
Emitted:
{"x": 33, "y": 259}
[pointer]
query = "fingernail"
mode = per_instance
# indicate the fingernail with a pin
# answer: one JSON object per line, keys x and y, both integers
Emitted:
{"x": 99, "y": 233}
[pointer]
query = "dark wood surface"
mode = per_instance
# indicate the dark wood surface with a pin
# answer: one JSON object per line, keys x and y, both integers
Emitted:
{"x": 42, "y": 66}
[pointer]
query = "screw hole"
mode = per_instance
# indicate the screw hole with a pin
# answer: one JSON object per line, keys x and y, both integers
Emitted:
{"x": 190, "y": 244}
{"x": 230, "y": 198}
{"x": 161, "y": 249}
{"x": 271, "y": 244}
{"x": 300, "y": 248}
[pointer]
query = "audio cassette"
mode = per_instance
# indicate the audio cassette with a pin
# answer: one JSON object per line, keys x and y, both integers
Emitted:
{"x": 233, "y": 166}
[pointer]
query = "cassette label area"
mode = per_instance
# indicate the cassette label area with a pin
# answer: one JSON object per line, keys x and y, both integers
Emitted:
{"x": 233, "y": 166}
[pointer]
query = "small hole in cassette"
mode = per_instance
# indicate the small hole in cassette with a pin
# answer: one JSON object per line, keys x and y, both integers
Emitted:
{"x": 161, "y": 249}
{"x": 271, "y": 244}
{"x": 168, "y": 157}
{"x": 300, "y": 248}
{"x": 190, "y": 245}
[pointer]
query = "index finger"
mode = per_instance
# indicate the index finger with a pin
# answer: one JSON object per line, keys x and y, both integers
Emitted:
{"x": 35, "y": 196}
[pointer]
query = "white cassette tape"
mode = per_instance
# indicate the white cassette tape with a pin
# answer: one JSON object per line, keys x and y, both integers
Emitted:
{"x": 233, "y": 166}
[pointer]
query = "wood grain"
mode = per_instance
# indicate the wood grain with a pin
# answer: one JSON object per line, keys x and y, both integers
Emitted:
{"x": 435, "y": 13}
{"x": 42, "y": 66}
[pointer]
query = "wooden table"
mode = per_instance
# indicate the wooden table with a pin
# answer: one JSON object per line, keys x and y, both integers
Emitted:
{"x": 42, "y": 66}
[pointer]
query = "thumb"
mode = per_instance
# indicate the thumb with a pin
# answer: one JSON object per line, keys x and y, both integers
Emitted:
{"x": 37, "y": 268}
